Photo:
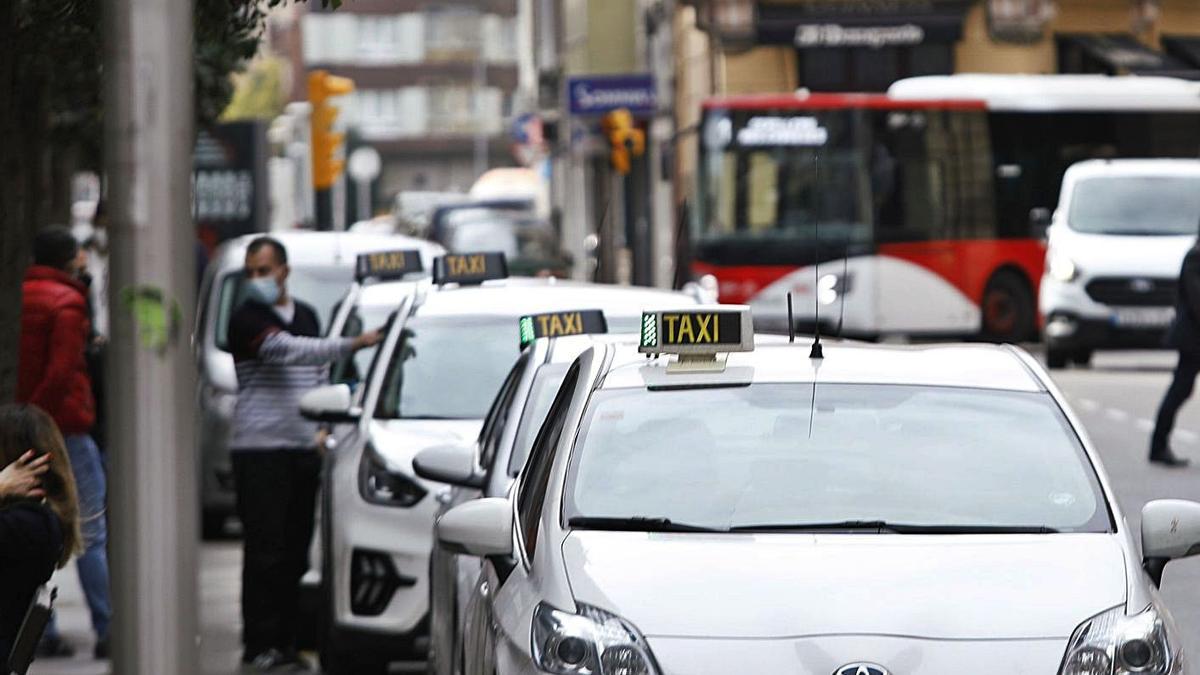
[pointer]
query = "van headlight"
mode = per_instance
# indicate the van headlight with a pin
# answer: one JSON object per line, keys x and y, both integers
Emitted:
{"x": 592, "y": 642}
{"x": 379, "y": 485}
{"x": 1115, "y": 644}
{"x": 1061, "y": 267}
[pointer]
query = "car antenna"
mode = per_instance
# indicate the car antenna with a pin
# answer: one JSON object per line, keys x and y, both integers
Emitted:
{"x": 817, "y": 352}
{"x": 791, "y": 323}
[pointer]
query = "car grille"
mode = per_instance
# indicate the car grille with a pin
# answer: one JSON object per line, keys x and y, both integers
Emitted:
{"x": 1132, "y": 291}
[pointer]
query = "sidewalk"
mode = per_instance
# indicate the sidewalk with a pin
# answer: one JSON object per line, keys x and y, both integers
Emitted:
{"x": 220, "y": 623}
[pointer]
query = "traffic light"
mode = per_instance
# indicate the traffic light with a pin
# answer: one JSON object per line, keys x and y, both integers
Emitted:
{"x": 627, "y": 140}
{"x": 325, "y": 141}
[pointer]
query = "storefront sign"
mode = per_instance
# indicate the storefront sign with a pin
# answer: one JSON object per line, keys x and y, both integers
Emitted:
{"x": 229, "y": 179}
{"x": 861, "y": 23}
{"x": 834, "y": 35}
{"x": 601, "y": 94}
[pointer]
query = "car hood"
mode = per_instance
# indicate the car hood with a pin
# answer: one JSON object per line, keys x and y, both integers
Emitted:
{"x": 1100, "y": 255}
{"x": 792, "y": 585}
{"x": 398, "y": 441}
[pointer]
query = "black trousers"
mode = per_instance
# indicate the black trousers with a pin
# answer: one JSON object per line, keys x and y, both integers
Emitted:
{"x": 276, "y": 499}
{"x": 1179, "y": 392}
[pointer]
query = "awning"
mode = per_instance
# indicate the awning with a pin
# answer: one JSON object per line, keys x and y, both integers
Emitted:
{"x": 1117, "y": 54}
{"x": 866, "y": 24}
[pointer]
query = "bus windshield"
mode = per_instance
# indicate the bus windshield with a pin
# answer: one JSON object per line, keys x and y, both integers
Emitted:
{"x": 775, "y": 182}
{"x": 1136, "y": 205}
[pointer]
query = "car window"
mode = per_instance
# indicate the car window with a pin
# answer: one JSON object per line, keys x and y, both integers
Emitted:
{"x": 321, "y": 286}
{"x": 362, "y": 318}
{"x": 761, "y": 456}
{"x": 1145, "y": 205}
{"x": 531, "y": 495}
{"x": 448, "y": 367}
{"x": 494, "y": 423}
{"x": 545, "y": 385}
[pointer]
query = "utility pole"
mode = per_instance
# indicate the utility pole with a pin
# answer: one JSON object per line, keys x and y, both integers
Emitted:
{"x": 152, "y": 496}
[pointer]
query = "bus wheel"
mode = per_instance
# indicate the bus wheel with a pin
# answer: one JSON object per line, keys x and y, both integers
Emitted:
{"x": 1007, "y": 308}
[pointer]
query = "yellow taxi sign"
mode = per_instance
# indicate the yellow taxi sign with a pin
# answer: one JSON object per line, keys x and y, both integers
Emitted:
{"x": 469, "y": 268}
{"x": 703, "y": 330}
{"x": 384, "y": 265}
{"x": 559, "y": 324}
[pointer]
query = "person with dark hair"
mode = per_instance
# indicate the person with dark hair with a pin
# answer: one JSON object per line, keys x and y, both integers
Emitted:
{"x": 53, "y": 375}
{"x": 279, "y": 356}
{"x": 1182, "y": 335}
{"x": 39, "y": 512}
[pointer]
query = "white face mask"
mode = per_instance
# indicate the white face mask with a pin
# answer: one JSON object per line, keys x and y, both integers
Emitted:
{"x": 264, "y": 289}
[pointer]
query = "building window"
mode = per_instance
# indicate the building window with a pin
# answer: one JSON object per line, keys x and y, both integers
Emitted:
{"x": 452, "y": 35}
{"x": 1021, "y": 21}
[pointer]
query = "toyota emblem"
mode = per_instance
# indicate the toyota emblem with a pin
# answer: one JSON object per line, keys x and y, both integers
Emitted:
{"x": 862, "y": 669}
{"x": 1141, "y": 285}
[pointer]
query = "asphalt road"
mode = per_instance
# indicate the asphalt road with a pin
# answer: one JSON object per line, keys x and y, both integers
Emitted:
{"x": 1116, "y": 399}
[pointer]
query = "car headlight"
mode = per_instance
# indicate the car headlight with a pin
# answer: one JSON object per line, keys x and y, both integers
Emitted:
{"x": 378, "y": 485}
{"x": 832, "y": 286}
{"x": 1061, "y": 267}
{"x": 1115, "y": 644}
{"x": 592, "y": 642}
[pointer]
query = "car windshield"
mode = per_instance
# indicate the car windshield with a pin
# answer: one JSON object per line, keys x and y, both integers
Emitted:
{"x": 545, "y": 385}
{"x": 448, "y": 367}
{"x": 321, "y": 286}
{"x": 352, "y": 369}
{"x": 517, "y": 234}
{"x": 762, "y": 457}
{"x": 1137, "y": 205}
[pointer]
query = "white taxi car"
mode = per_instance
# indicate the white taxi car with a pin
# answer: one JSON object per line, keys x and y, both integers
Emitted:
{"x": 906, "y": 510}
{"x": 446, "y": 353}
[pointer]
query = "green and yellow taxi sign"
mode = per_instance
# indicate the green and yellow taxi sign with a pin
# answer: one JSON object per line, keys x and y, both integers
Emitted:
{"x": 704, "y": 330}
{"x": 559, "y": 324}
{"x": 469, "y": 268}
{"x": 386, "y": 265}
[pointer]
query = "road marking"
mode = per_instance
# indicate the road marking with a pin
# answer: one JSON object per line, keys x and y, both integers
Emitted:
{"x": 1089, "y": 404}
{"x": 1144, "y": 424}
{"x": 1116, "y": 415}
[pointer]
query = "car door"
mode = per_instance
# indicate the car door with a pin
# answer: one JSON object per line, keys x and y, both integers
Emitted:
{"x": 452, "y": 576}
{"x": 482, "y": 629}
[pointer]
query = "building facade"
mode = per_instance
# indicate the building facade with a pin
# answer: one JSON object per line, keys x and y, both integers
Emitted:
{"x": 435, "y": 83}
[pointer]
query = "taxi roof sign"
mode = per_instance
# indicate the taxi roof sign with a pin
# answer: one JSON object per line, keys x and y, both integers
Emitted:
{"x": 559, "y": 324}
{"x": 469, "y": 268}
{"x": 387, "y": 265}
{"x": 697, "y": 331}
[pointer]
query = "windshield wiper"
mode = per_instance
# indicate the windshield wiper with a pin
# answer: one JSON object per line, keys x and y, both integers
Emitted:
{"x": 882, "y": 526}
{"x": 635, "y": 524}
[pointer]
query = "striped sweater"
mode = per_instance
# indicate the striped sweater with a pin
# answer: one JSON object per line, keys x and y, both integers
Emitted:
{"x": 277, "y": 364}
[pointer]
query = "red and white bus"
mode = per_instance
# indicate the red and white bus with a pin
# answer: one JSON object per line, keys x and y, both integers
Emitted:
{"x": 920, "y": 212}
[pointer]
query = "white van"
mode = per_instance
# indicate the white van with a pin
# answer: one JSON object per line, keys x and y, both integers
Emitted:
{"x": 322, "y": 269}
{"x": 1115, "y": 246}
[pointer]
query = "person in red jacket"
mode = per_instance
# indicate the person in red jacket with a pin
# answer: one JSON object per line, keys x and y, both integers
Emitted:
{"x": 52, "y": 374}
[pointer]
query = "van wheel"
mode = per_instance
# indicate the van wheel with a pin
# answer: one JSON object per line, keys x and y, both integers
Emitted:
{"x": 1081, "y": 357}
{"x": 1056, "y": 359}
{"x": 212, "y": 525}
{"x": 1007, "y": 308}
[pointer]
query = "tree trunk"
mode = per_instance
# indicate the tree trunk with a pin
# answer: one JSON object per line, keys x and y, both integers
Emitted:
{"x": 22, "y": 136}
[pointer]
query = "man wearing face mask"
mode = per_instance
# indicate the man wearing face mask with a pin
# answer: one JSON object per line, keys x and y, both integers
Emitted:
{"x": 53, "y": 375}
{"x": 279, "y": 356}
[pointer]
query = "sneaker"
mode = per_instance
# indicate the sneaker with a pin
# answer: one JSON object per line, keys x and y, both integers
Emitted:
{"x": 54, "y": 647}
{"x": 272, "y": 659}
{"x": 102, "y": 650}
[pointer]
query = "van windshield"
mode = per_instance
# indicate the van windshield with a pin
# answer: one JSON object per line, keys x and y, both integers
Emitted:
{"x": 1136, "y": 205}
{"x": 321, "y": 286}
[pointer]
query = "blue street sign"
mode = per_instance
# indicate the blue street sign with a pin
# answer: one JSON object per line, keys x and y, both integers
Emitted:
{"x": 599, "y": 94}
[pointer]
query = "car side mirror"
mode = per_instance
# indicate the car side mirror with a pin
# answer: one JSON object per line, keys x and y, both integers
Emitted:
{"x": 1170, "y": 530}
{"x": 1039, "y": 221}
{"x": 453, "y": 464}
{"x": 333, "y": 403}
{"x": 481, "y": 527}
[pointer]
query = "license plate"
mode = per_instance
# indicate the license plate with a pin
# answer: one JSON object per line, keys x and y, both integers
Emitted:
{"x": 1143, "y": 317}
